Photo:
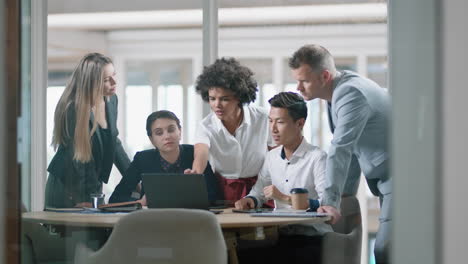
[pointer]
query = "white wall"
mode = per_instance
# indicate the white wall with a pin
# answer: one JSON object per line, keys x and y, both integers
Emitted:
{"x": 428, "y": 53}
{"x": 455, "y": 131}
{"x": 414, "y": 82}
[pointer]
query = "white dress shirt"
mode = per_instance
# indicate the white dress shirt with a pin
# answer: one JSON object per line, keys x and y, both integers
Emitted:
{"x": 240, "y": 155}
{"x": 305, "y": 169}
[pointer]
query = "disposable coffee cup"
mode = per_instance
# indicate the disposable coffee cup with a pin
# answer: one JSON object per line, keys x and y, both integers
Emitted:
{"x": 299, "y": 198}
{"x": 97, "y": 199}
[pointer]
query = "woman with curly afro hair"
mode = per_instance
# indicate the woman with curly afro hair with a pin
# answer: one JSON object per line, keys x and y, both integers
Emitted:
{"x": 235, "y": 135}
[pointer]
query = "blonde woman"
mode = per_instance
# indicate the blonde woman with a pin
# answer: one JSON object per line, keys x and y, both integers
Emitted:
{"x": 85, "y": 135}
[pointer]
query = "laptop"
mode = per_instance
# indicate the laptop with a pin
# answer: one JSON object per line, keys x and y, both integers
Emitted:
{"x": 175, "y": 190}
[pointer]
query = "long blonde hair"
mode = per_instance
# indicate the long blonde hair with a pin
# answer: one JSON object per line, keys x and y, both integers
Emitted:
{"x": 83, "y": 91}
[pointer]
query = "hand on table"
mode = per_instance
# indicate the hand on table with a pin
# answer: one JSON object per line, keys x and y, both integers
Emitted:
{"x": 143, "y": 200}
{"x": 245, "y": 203}
{"x": 332, "y": 211}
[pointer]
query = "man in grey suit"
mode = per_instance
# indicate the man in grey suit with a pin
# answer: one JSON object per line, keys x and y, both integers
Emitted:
{"x": 359, "y": 112}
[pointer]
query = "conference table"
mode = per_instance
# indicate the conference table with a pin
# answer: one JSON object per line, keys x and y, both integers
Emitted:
{"x": 231, "y": 223}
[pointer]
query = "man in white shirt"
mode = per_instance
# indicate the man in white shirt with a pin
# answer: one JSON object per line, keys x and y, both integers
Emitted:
{"x": 294, "y": 164}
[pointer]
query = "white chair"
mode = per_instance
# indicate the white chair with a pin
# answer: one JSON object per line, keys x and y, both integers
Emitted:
{"x": 344, "y": 244}
{"x": 169, "y": 236}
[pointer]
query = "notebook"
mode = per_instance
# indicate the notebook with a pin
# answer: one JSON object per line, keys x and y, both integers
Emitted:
{"x": 121, "y": 207}
{"x": 175, "y": 190}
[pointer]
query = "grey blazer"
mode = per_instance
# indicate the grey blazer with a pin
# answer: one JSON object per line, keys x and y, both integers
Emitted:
{"x": 359, "y": 115}
{"x": 74, "y": 181}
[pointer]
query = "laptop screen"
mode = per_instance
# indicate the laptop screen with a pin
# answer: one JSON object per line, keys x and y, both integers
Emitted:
{"x": 175, "y": 190}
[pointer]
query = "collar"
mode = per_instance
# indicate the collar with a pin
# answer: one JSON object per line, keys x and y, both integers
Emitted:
{"x": 299, "y": 152}
{"x": 246, "y": 119}
{"x": 171, "y": 167}
{"x": 337, "y": 79}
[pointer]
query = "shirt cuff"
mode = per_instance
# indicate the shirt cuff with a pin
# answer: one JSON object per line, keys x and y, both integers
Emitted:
{"x": 254, "y": 199}
{"x": 313, "y": 205}
{"x": 331, "y": 201}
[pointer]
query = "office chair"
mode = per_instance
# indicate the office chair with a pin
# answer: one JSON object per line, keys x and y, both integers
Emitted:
{"x": 169, "y": 236}
{"x": 38, "y": 246}
{"x": 344, "y": 244}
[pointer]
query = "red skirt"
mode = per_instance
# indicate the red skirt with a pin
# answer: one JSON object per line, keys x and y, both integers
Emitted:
{"x": 235, "y": 189}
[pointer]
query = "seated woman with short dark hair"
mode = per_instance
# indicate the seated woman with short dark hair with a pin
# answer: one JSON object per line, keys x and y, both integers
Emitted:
{"x": 168, "y": 156}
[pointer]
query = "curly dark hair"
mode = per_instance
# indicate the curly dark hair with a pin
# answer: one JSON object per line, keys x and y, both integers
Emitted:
{"x": 227, "y": 73}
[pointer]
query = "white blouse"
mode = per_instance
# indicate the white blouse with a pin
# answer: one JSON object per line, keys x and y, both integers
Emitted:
{"x": 241, "y": 155}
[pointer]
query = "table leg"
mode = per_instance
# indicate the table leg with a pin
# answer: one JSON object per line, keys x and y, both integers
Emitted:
{"x": 259, "y": 233}
{"x": 231, "y": 243}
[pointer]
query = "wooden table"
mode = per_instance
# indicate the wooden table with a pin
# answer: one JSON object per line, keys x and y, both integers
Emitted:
{"x": 230, "y": 222}
{"x": 227, "y": 219}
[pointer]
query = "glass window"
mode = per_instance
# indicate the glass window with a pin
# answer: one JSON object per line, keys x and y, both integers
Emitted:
{"x": 158, "y": 66}
{"x": 193, "y": 114}
{"x": 268, "y": 91}
{"x": 377, "y": 70}
{"x": 56, "y": 81}
{"x": 346, "y": 63}
{"x": 138, "y": 107}
{"x": 53, "y": 96}
{"x": 262, "y": 74}
{"x": 169, "y": 99}
{"x": 163, "y": 85}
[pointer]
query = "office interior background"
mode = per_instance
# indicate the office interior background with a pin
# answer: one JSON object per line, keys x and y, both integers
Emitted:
{"x": 157, "y": 48}
{"x": 157, "y": 56}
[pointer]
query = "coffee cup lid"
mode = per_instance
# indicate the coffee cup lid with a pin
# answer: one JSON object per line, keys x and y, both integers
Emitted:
{"x": 298, "y": 190}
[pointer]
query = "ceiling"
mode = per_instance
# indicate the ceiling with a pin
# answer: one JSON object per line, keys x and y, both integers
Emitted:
{"x": 120, "y": 15}
{"x": 91, "y": 6}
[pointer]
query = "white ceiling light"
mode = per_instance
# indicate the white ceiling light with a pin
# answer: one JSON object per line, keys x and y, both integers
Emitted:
{"x": 312, "y": 14}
